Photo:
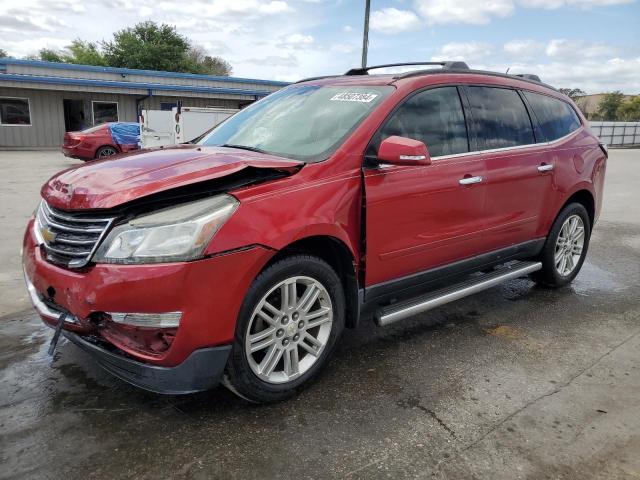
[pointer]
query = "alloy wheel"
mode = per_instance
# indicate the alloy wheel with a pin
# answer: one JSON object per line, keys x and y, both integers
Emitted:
{"x": 106, "y": 152}
{"x": 569, "y": 245}
{"x": 289, "y": 329}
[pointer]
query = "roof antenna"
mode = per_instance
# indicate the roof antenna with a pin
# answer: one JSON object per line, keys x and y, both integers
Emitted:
{"x": 507, "y": 71}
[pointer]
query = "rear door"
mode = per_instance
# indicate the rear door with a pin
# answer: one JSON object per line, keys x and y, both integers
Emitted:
{"x": 515, "y": 185}
{"x": 420, "y": 217}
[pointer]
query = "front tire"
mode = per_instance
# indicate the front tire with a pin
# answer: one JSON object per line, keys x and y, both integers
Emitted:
{"x": 288, "y": 326}
{"x": 565, "y": 248}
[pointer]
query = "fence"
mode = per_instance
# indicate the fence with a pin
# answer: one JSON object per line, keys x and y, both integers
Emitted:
{"x": 617, "y": 134}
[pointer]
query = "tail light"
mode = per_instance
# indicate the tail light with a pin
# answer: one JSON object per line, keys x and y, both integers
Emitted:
{"x": 72, "y": 140}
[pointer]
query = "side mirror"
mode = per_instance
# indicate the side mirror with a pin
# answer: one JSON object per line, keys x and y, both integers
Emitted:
{"x": 403, "y": 151}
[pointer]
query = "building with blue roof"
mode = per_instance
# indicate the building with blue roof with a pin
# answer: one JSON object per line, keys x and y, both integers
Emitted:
{"x": 40, "y": 101}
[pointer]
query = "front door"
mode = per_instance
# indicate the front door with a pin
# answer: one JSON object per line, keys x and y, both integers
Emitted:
{"x": 420, "y": 217}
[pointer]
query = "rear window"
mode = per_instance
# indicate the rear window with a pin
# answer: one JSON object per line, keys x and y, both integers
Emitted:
{"x": 500, "y": 117}
{"x": 95, "y": 129}
{"x": 555, "y": 117}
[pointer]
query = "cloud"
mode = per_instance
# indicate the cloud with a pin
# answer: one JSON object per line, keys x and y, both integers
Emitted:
{"x": 29, "y": 7}
{"x": 23, "y": 47}
{"x": 584, "y": 4}
{"x": 297, "y": 40}
{"x": 225, "y": 8}
{"x": 12, "y": 22}
{"x": 273, "y": 60}
{"x": 392, "y": 20}
{"x": 463, "y": 11}
{"x": 590, "y": 75}
{"x": 463, "y": 51}
{"x": 523, "y": 50}
{"x": 568, "y": 49}
{"x": 347, "y": 29}
{"x": 345, "y": 47}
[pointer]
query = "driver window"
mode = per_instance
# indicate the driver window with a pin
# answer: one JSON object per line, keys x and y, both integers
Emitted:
{"x": 434, "y": 117}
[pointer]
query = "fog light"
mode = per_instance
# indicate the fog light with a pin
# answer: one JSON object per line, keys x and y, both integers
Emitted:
{"x": 148, "y": 320}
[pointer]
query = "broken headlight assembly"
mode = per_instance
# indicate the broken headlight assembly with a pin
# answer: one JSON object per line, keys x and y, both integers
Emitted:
{"x": 173, "y": 234}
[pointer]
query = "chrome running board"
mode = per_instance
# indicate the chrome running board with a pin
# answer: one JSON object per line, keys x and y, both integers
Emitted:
{"x": 399, "y": 311}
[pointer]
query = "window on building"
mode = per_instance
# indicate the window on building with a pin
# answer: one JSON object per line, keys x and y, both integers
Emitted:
{"x": 556, "y": 118}
{"x": 104, "y": 112}
{"x": 14, "y": 111}
{"x": 500, "y": 116}
{"x": 434, "y": 117}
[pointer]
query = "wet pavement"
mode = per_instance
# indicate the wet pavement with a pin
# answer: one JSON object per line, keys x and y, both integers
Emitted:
{"x": 515, "y": 382}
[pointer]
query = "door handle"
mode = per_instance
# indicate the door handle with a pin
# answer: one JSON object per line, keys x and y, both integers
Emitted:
{"x": 469, "y": 180}
{"x": 545, "y": 167}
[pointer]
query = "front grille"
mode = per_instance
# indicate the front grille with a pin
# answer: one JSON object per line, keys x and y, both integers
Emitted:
{"x": 70, "y": 238}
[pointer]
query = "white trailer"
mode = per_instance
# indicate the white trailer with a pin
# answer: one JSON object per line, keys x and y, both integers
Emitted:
{"x": 178, "y": 125}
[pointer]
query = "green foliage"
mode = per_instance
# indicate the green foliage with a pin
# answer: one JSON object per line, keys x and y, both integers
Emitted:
{"x": 84, "y": 53}
{"x": 608, "y": 107}
{"x": 200, "y": 62}
{"x": 3, "y": 53}
{"x": 629, "y": 111}
{"x": 49, "y": 55}
{"x": 146, "y": 46}
{"x": 573, "y": 93}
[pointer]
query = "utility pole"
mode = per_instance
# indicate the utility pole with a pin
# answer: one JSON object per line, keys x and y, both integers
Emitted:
{"x": 365, "y": 38}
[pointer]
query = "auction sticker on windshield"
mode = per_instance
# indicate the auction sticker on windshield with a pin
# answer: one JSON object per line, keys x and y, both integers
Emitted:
{"x": 353, "y": 97}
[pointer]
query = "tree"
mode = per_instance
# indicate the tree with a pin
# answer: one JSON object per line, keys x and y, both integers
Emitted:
{"x": 573, "y": 93}
{"x": 49, "y": 55}
{"x": 84, "y": 53}
{"x": 3, "y": 53}
{"x": 608, "y": 106}
{"x": 148, "y": 46}
{"x": 203, "y": 63}
{"x": 629, "y": 111}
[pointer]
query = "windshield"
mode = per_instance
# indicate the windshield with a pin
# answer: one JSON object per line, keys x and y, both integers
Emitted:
{"x": 303, "y": 122}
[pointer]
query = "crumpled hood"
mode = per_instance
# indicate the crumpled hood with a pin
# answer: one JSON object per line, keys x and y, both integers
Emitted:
{"x": 115, "y": 181}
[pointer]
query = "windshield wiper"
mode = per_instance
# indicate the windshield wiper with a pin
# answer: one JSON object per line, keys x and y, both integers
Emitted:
{"x": 243, "y": 147}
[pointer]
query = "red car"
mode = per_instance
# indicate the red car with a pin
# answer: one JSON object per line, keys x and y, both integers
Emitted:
{"x": 102, "y": 140}
{"x": 242, "y": 258}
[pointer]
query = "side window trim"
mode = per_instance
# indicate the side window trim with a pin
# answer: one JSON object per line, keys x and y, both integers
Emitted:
{"x": 370, "y": 160}
{"x": 533, "y": 118}
{"x": 472, "y": 133}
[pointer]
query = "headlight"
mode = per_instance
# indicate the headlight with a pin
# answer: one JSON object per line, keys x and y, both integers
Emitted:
{"x": 170, "y": 235}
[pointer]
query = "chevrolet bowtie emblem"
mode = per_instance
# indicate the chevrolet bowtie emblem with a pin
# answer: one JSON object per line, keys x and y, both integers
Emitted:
{"x": 47, "y": 234}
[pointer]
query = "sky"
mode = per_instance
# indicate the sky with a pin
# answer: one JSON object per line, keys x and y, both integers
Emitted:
{"x": 589, "y": 44}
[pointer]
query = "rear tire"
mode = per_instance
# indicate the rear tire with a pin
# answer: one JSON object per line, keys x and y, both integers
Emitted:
{"x": 565, "y": 248}
{"x": 287, "y": 329}
{"x": 106, "y": 151}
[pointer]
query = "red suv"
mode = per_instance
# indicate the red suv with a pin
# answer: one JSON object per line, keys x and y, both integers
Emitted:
{"x": 240, "y": 259}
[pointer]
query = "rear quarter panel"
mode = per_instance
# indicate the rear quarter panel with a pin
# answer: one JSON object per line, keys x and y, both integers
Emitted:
{"x": 580, "y": 165}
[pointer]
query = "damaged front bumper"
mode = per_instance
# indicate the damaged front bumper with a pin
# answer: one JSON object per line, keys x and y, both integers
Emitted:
{"x": 202, "y": 370}
{"x": 207, "y": 292}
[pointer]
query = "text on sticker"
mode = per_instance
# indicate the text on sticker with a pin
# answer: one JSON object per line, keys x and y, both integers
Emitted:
{"x": 353, "y": 97}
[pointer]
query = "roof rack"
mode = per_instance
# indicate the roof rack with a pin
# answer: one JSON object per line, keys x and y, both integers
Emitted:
{"x": 529, "y": 76}
{"x": 444, "y": 65}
